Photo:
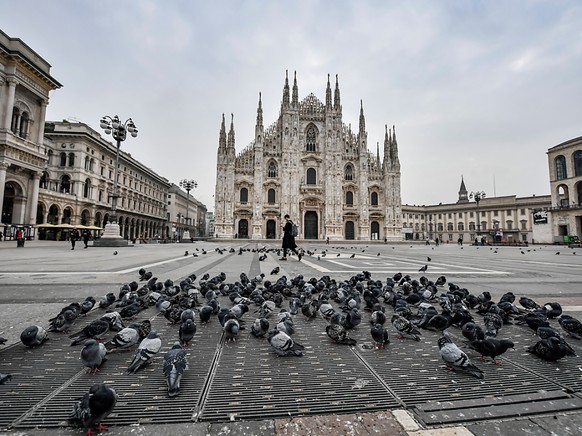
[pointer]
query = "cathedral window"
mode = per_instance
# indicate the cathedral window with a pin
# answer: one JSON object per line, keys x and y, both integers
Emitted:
{"x": 272, "y": 171}
{"x": 349, "y": 198}
{"x": 349, "y": 172}
{"x": 374, "y": 199}
{"x": 244, "y": 195}
{"x": 271, "y": 196}
{"x": 311, "y": 176}
{"x": 310, "y": 139}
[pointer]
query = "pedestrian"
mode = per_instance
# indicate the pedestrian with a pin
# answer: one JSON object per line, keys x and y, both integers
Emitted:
{"x": 385, "y": 240}
{"x": 482, "y": 240}
{"x": 289, "y": 233}
{"x": 437, "y": 241}
{"x": 327, "y": 241}
{"x": 73, "y": 237}
{"x": 19, "y": 238}
{"x": 86, "y": 237}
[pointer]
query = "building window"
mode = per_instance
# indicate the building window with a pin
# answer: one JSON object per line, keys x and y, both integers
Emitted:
{"x": 24, "y": 122}
{"x": 310, "y": 139}
{"x": 471, "y": 226}
{"x": 272, "y": 171}
{"x": 450, "y": 215}
{"x": 440, "y": 216}
{"x": 440, "y": 227}
{"x": 522, "y": 211}
{"x": 509, "y": 225}
{"x": 470, "y": 214}
{"x": 100, "y": 196}
{"x": 561, "y": 172}
{"x": 349, "y": 172}
{"x": 450, "y": 227}
{"x": 311, "y": 176}
{"x": 524, "y": 237}
{"x": 523, "y": 224}
{"x": 349, "y": 198}
{"x": 271, "y": 196}
{"x": 483, "y": 225}
{"x": 578, "y": 163}
{"x": 483, "y": 214}
{"x": 15, "y": 119}
{"x": 71, "y": 159}
{"x": 495, "y": 213}
{"x": 65, "y": 184}
{"x": 374, "y": 199}
{"x": 460, "y": 227}
{"x": 460, "y": 214}
{"x": 244, "y": 195}
{"x": 87, "y": 188}
{"x": 63, "y": 159}
{"x": 508, "y": 212}
{"x": 87, "y": 163}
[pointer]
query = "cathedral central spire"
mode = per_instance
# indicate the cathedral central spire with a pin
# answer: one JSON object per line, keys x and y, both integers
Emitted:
{"x": 336, "y": 97}
{"x": 328, "y": 95}
{"x": 222, "y": 135}
{"x": 295, "y": 96}
{"x": 286, "y": 91}
{"x": 362, "y": 118}
{"x": 231, "y": 133}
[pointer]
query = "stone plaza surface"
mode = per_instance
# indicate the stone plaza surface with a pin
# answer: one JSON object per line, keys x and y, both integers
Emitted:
{"x": 243, "y": 388}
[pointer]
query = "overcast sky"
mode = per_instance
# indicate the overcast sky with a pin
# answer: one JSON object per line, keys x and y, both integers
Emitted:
{"x": 475, "y": 88}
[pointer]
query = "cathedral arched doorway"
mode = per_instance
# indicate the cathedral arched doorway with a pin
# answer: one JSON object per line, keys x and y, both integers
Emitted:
{"x": 8, "y": 206}
{"x": 350, "y": 232}
{"x": 310, "y": 225}
{"x": 271, "y": 229}
{"x": 243, "y": 229}
{"x": 375, "y": 230}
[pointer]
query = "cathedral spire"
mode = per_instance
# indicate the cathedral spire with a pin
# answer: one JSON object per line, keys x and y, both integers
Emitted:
{"x": 295, "y": 97}
{"x": 222, "y": 136}
{"x": 231, "y": 133}
{"x": 387, "y": 149}
{"x": 394, "y": 150}
{"x": 362, "y": 119}
{"x": 328, "y": 95}
{"x": 286, "y": 91}
{"x": 260, "y": 113}
{"x": 336, "y": 96}
{"x": 378, "y": 152}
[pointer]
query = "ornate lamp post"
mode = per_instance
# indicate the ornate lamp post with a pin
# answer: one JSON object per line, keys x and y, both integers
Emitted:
{"x": 188, "y": 185}
{"x": 478, "y": 196}
{"x": 118, "y": 130}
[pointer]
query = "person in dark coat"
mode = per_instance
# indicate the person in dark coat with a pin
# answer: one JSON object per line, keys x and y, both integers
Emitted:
{"x": 86, "y": 238}
{"x": 73, "y": 237}
{"x": 289, "y": 239}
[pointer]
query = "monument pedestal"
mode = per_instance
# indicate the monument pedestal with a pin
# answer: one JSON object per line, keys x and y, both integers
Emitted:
{"x": 111, "y": 237}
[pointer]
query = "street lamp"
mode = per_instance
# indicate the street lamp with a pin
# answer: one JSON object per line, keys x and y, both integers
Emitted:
{"x": 478, "y": 196}
{"x": 188, "y": 185}
{"x": 118, "y": 130}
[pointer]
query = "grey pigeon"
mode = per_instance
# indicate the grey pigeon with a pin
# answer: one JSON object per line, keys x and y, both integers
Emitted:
{"x": 493, "y": 323}
{"x": 491, "y": 348}
{"x": 472, "y": 331}
{"x": 63, "y": 321}
{"x": 87, "y": 305}
{"x": 93, "y": 354}
{"x": 404, "y": 327}
{"x": 95, "y": 330}
{"x": 339, "y": 334}
{"x": 187, "y": 314}
{"x": 260, "y": 327}
{"x": 294, "y": 305}
{"x": 353, "y": 318}
{"x": 123, "y": 340}
{"x": 326, "y": 310}
{"x": 115, "y": 321}
{"x": 147, "y": 349}
{"x": 380, "y": 335}
{"x": 231, "y": 329}
{"x": 187, "y": 331}
{"x": 286, "y": 326}
{"x": 5, "y": 378}
{"x": 94, "y": 407}
{"x": 107, "y": 300}
{"x": 33, "y": 336}
{"x": 175, "y": 363}
{"x": 456, "y": 359}
{"x": 283, "y": 344}
{"x": 205, "y": 314}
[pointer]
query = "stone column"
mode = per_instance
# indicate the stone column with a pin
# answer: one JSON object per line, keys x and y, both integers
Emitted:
{"x": 9, "y": 102}
{"x": 33, "y": 187}
{"x": 3, "y": 167}
{"x": 41, "y": 119}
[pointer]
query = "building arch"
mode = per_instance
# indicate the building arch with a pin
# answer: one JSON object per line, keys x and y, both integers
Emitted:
{"x": 374, "y": 198}
{"x": 375, "y": 230}
{"x": 68, "y": 215}
{"x": 85, "y": 217}
{"x": 311, "y": 225}
{"x": 271, "y": 196}
{"x": 577, "y": 161}
{"x": 350, "y": 233}
{"x": 243, "y": 228}
{"x": 349, "y": 198}
{"x": 349, "y": 172}
{"x": 65, "y": 184}
{"x": 579, "y": 193}
{"x": 311, "y": 134}
{"x": 563, "y": 195}
{"x": 272, "y": 168}
{"x": 244, "y": 195}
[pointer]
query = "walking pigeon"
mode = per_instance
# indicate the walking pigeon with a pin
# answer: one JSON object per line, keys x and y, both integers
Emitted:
{"x": 380, "y": 335}
{"x": 339, "y": 334}
{"x": 94, "y": 407}
{"x": 491, "y": 348}
{"x": 405, "y": 328}
{"x": 456, "y": 359}
{"x": 283, "y": 344}
{"x": 175, "y": 363}
{"x": 186, "y": 332}
{"x": 95, "y": 330}
{"x": 147, "y": 349}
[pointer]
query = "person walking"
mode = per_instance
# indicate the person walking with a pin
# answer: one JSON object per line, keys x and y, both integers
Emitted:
{"x": 73, "y": 237}
{"x": 289, "y": 233}
{"x": 86, "y": 238}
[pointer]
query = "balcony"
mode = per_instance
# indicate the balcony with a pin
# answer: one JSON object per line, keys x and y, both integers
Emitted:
{"x": 565, "y": 206}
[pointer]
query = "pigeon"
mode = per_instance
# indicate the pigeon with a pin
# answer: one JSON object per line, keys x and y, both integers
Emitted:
{"x": 63, "y": 322}
{"x": 404, "y": 328}
{"x": 378, "y": 317}
{"x": 549, "y": 349}
{"x": 107, "y": 300}
{"x": 553, "y": 310}
{"x": 4, "y": 378}
{"x": 286, "y": 326}
{"x": 231, "y": 329}
{"x": 175, "y": 363}
{"x": 491, "y": 348}
{"x": 379, "y": 335}
{"x": 3, "y": 340}
{"x": 87, "y": 305}
{"x": 205, "y": 314}
{"x": 123, "y": 340}
{"x": 95, "y": 330}
{"x": 549, "y": 332}
{"x": 34, "y": 336}
{"x": 534, "y": 320}
{"x": 571, "y": 325}
{"x": 456, "y": 359}
{"x": 147, "y": 349}
{"x": 472, "y": 331}
{"x": 493, "y": 323}
{"x": 309, "y": 309}
{"x": 115, "y": 321}
{"x": 353, "y": 318}
{"x": 528, "y": 303}
{"x": 93, "y": 354}
{"x": 94, "y": 407}
{"x": 283, "y": 344}
{"x": 186, "y": 332}
{"x": 275, "y": 271}
{"x": 423, "y": 269}
{"x": 260, "y": 327}
{"x": 339, "y": 334}
{"x": 187, "y": 314}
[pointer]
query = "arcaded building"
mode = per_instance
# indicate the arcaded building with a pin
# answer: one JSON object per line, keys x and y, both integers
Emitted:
{"x": 311, "y": 165}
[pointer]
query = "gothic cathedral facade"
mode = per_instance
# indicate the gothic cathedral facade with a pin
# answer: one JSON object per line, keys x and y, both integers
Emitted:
{"x": 312, "y": 166}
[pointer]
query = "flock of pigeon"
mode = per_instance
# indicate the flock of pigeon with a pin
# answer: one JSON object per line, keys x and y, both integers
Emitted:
{"x": 409, "y": 305}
